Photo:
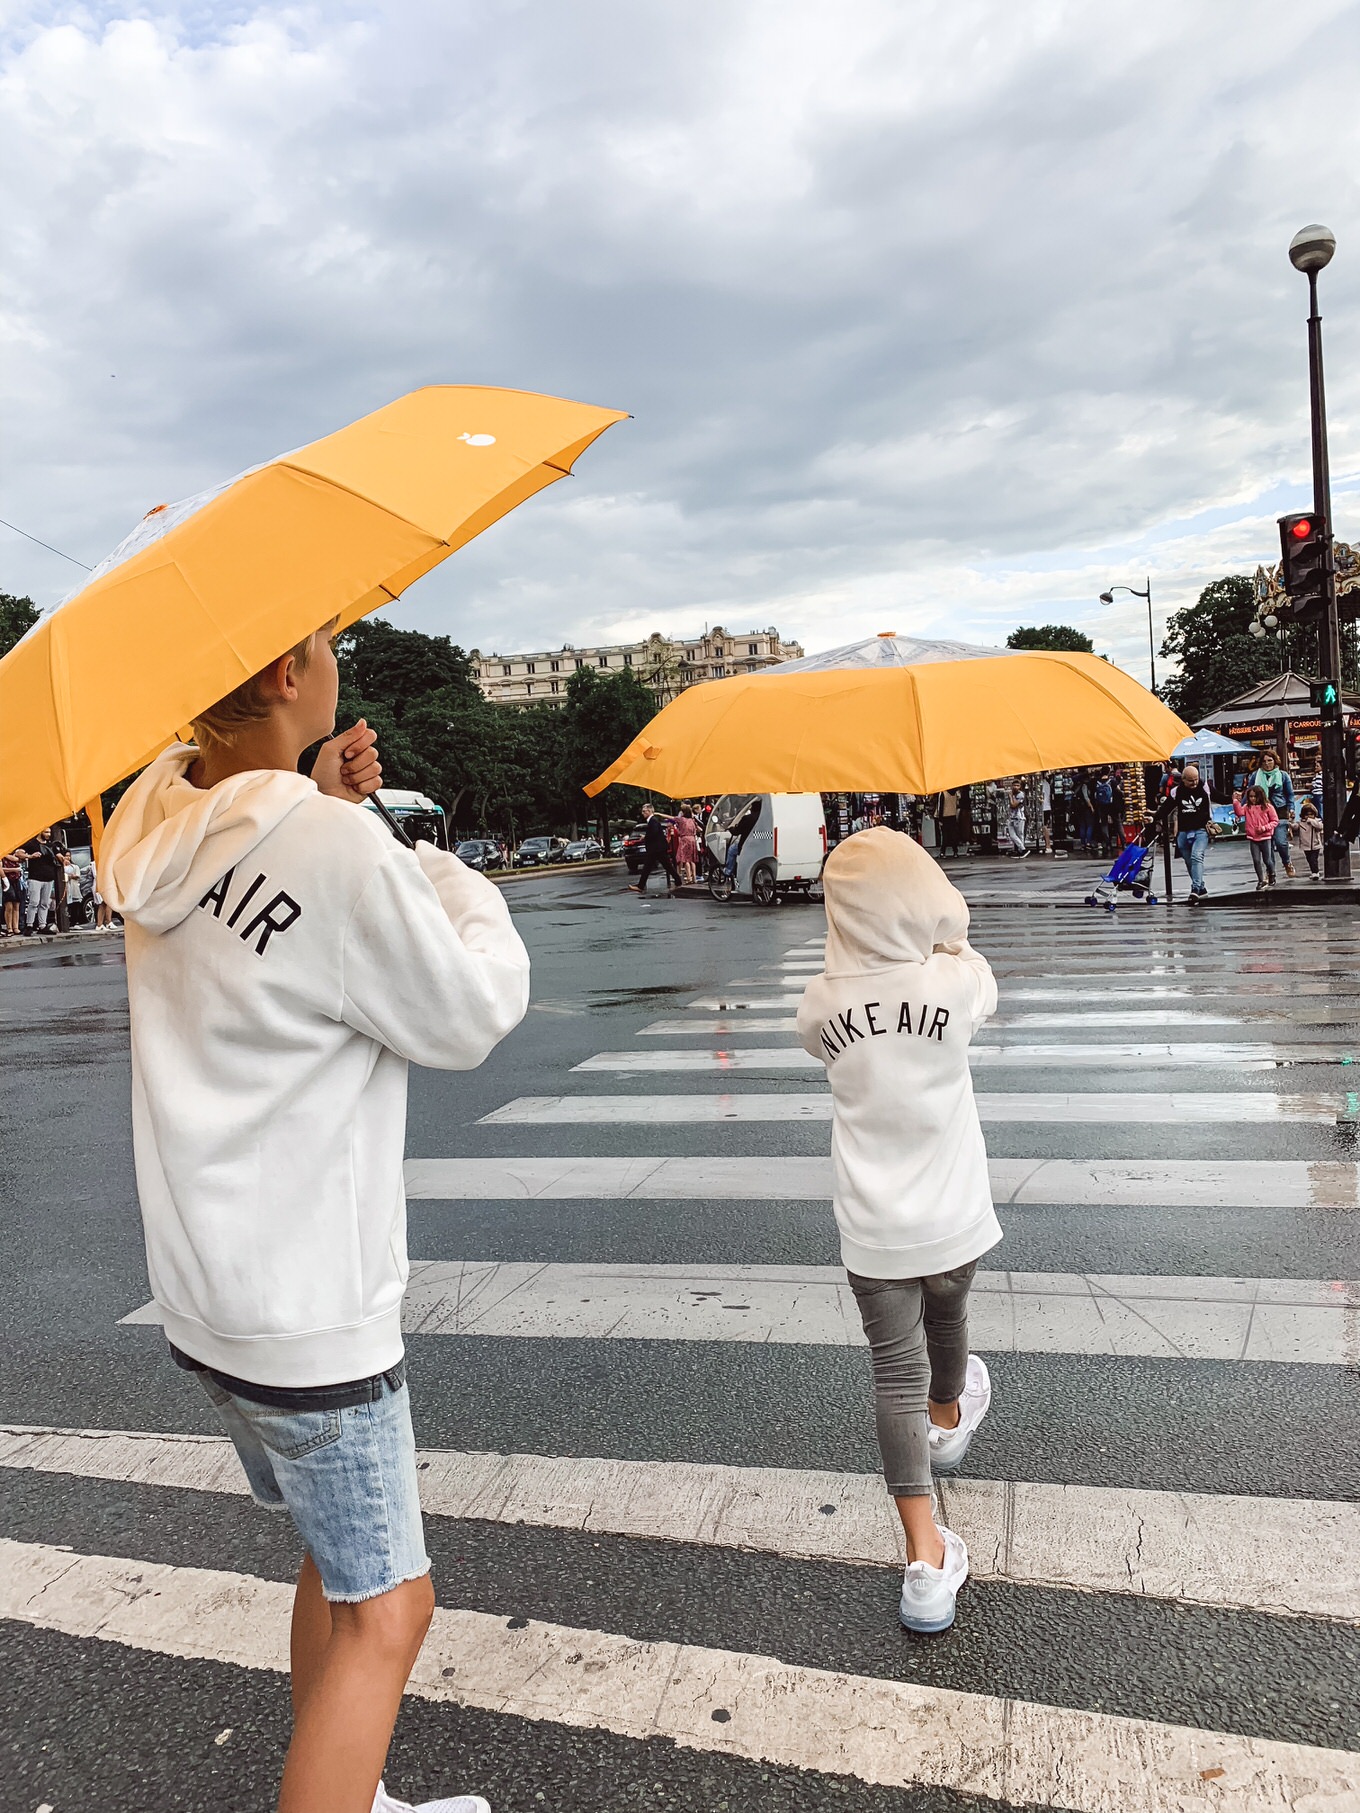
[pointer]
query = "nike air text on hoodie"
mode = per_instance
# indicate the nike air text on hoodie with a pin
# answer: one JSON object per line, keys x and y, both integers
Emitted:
{"x": 286, "y": 960}
{"x": 891, "y": 1017}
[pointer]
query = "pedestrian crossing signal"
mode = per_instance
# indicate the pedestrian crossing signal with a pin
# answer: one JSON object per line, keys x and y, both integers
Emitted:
{"x": 1324, "y": 694}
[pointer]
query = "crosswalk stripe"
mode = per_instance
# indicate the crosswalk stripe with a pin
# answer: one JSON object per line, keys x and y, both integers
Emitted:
{"x": 1113, "y": 1108}
{"x": 1290, "y": 1557}
{"x": 1252, "y": 1319}
{"x": 891, "y": 1733}
{"x": 1114, "y": 1183}
{"x": 1244, "y": 1056}
{"x": 1260, "y": 1001}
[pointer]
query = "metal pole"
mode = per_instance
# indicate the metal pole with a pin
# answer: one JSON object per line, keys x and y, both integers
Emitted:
{"x": 1152, "y": 653}
{"x": 1336, "y": 856}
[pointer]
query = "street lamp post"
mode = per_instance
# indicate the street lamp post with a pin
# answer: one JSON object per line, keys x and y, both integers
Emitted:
{"x": 1108, "y": 598}
{"x": 1310, "y": 251}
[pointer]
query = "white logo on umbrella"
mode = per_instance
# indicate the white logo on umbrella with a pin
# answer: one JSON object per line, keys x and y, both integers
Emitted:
{"x": 478, "y": 440}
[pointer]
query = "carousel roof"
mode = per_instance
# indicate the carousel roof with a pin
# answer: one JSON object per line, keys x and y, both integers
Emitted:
{"x": 1283, "y": 695}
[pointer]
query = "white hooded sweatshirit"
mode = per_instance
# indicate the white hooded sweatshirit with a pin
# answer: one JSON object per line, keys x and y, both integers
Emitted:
{"x": 286, "y": 960}
{"x": 891, "y": 1017}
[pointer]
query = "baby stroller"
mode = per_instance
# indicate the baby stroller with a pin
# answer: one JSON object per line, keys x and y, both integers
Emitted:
{"x": 1130, "y": 873}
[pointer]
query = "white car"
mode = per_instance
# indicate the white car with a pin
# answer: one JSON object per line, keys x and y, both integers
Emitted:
{"x": 765, "y": 845}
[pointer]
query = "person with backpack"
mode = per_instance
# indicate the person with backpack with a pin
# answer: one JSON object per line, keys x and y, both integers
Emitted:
{"x": 1275, "y": 783}
{"x": 1102, "y": 798}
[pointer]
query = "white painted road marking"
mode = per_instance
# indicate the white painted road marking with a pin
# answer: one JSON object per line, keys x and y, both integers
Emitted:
{"x": 1115, "y": 1183}
{"x": 1253, "y": 1107}
{"x": 1253, "y": 1319}
{"x": 1291, "y": 1557}
{"x": 891, "y": 1733}
{"x": 1087, "y": 1057}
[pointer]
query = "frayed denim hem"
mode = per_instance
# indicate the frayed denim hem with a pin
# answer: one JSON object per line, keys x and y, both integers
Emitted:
{"x": 377, "y": 1593}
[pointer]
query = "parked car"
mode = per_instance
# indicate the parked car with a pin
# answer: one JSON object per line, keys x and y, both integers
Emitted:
{"x": 534, "y": 852}
{"x": 479, "y": 853}
{"x": 616, "y": 844}
{"x": 632, "y": 847}
{"x": 583, "y": 849}
{"x": 765, "y": 845}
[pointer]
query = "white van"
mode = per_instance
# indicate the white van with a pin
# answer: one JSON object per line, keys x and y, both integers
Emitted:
{"x": 764, "y": 845}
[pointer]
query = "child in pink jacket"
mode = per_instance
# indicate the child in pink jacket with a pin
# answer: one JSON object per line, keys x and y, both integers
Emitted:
{"x": 1260, "y": 819}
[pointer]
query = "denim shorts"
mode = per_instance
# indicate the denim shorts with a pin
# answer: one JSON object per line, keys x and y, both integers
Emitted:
{"x": 348, "y": 1480}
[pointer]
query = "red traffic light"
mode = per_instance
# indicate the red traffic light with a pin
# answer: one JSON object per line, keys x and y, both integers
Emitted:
{"x": 1302, "y": 529}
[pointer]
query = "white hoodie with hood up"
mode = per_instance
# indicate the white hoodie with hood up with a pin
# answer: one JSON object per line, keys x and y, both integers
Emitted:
{"x": 891, "y": 1017}
{"x": 286, "y": 959}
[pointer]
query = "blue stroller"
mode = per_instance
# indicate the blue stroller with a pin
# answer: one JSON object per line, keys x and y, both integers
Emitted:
{"x": 1130, "y": 873}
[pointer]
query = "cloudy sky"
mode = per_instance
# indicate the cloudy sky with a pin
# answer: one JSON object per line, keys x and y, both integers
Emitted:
{"x": 932, "y": 317}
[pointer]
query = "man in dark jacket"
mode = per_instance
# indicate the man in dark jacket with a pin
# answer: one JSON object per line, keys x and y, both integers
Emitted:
{"x": 656, "y": 851}
{"x": 1188, "y": 811}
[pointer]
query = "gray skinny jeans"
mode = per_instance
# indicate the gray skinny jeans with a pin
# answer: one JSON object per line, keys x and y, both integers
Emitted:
{"x": 917, "y": 1329}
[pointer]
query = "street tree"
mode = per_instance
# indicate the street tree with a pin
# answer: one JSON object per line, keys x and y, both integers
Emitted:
{"x": 1055, "y": 636}
{"x": 17, "y": 615}
{"x": 1217, "y": 658}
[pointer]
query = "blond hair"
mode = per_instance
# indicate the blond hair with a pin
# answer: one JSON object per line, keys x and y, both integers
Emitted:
{"x": 247, "y": 703}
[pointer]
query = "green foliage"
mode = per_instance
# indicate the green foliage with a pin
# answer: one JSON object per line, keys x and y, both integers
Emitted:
{"x": 16, "y": 616}
{"x": 1217, "y": 657}
{"x": 1059, "y": 636}
{"x": 494, "y": 768}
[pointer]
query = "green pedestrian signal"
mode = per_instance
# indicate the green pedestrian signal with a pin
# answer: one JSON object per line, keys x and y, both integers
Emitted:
{"x": 1324, "y": 694}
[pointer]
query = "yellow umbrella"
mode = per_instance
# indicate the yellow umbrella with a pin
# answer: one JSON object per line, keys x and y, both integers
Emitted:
{"x": 932, "y": 716}
{"x": 206, "y": 592}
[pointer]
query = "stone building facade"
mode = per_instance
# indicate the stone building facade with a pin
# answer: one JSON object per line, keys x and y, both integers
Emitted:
{"x": 667, "y": 664}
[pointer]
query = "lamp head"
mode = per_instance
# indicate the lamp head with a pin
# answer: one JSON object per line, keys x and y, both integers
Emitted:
{"x": 1107, "y": 597}
{"x": 1311, "y": 248}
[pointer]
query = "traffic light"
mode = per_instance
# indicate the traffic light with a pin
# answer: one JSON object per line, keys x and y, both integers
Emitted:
{"x": 1303, "y": 561}
{"x": 1325, "y": 695}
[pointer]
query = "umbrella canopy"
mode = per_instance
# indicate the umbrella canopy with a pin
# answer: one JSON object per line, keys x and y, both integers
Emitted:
{"x": 206, "y": 592}
{"x": 859, "y": 723}
{"x": 1209, "y": 742}
{"x": 887, "y": 649}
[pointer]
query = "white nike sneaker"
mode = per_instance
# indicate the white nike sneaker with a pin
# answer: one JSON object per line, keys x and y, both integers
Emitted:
{"x": 948, "y": 1446}
{"x": 928, "y": 1593}
{"x": 383, "y": 1802}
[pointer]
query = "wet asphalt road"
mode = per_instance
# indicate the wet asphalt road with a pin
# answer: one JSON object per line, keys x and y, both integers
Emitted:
{"x": 92, "y": 1723}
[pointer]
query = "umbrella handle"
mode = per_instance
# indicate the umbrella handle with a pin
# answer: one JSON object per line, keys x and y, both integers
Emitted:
{"x": 393, "y": 823}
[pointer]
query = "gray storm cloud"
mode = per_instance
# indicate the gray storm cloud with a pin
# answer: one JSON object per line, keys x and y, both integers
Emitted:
{"x": 929, "y": 316}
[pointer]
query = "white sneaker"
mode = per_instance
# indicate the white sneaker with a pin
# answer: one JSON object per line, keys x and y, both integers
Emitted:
{"x": 948, "y": 1446}
{"x": 928, "y": 1593}
{"x": 461, "y": 1803}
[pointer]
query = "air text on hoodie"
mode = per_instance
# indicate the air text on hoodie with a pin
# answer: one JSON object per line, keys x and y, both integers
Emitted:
{"x": 841, "y": 1032}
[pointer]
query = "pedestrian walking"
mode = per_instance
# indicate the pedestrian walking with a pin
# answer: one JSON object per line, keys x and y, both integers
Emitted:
{"x": 1084, "y": 813}
{"x": 1015, "y": 817}
{"x": 1310, "y": 837}
{"x": 655, "y": 852}
{"x": 687, "y": 845}
{"x": 1260, "y": 821}
{"x": 891, "y": 1017}
{"x": 1279, "y": 791}
{"x": 12, "y": 892}
{"x": 1046, "y": 812}
{"x": 286, "y": 959}
{"x": 947, "y": 821}
{"x": 1188, "y": 809}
